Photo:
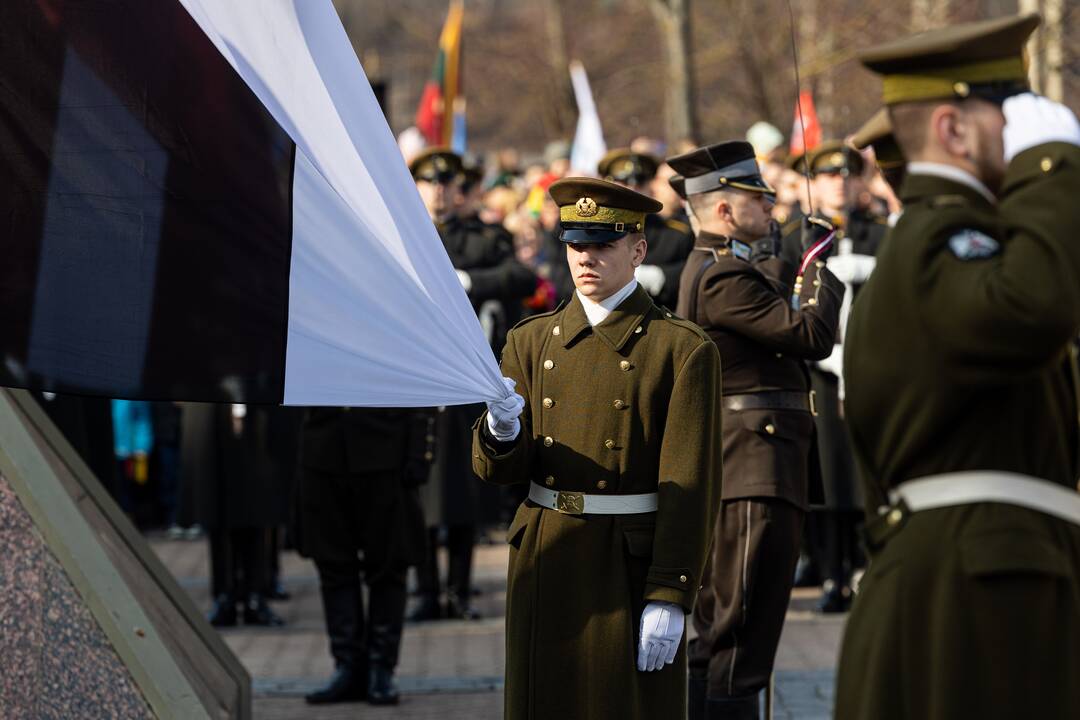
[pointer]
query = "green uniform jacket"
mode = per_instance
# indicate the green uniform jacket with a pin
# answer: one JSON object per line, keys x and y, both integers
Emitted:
{"x": 957, "y": 359}
{"x": 630, "y": 406}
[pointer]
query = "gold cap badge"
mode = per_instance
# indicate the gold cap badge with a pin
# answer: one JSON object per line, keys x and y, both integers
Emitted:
{"x": 586, "y": 207}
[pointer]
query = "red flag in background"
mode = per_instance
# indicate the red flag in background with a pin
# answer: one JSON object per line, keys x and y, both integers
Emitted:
{"x": 434, "y": 117}
{"x": 801, "y": 140}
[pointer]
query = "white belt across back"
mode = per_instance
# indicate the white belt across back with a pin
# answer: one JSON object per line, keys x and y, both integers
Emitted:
{"x": 979, "y": 486}
{"x": 575, "y": 503}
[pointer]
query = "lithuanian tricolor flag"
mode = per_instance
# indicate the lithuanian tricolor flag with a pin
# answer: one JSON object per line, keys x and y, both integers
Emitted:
{"x": 435, "y": 116}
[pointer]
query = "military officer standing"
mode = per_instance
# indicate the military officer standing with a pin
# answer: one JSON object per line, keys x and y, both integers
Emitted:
{"x": 615, "y": 425}
{"x": 961, "y": 394}
{"x": 770, "y": 460}
{"x": 670, "y": 238}
{"x": 483, "y": 256}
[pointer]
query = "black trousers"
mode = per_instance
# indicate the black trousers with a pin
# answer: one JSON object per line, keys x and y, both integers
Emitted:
{"x": 460, "y": 541}
{"x": 358, "y": 638}
{"x": 239, "y": 561}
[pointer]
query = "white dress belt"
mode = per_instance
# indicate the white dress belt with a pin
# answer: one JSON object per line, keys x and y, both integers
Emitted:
{"x": 979, "y": 486}
{"x": 575, "y": 503}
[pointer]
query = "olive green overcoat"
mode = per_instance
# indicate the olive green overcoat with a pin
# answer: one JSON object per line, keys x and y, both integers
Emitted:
{"x": 630, "y": 406}
{"x": 957, "y": 358}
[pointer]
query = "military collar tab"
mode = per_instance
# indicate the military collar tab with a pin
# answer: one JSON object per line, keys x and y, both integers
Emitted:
{"x": 712, "y": 241}
{"x": 740, "y": 249}
{"x": 617, "y": 328}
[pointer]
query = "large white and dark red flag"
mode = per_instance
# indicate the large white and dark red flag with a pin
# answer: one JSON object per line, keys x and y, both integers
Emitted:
{"x": 201, "y": 199}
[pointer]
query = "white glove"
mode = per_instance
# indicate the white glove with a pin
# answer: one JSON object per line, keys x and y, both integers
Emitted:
{"x": 465, "y": 280}
{"x": 1032, "y": 120}
{"x": 851, "y": 268}
{"x": 502, "y": 417}
{"x": 651, "y": 278}
{"x": 661, "y": 632}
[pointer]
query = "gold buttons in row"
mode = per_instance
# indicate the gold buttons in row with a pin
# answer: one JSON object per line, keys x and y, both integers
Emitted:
{"x": 548, "y": 365}
{"x": 549, "y": 403}
{"x": 619, "y": 405}
{"x": 609, "y": 444}
{"x": 549, "y": 441}
{"x": 624, "y": 365}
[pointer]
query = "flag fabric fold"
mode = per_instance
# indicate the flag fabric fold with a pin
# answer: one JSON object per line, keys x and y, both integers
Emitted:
{"x": 589, "y": 146}
{"x": 207, "y": 204}
{"x": 806, "y": 130}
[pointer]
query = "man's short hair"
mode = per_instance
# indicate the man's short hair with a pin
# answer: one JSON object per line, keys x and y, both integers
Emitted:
{"x": 910, "y": 122}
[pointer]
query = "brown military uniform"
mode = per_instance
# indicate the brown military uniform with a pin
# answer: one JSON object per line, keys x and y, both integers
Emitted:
{"x": 629, "y": 406}
{"x": 770, "y": 464}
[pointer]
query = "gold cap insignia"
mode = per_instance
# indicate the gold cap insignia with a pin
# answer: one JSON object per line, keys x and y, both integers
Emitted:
{"x": 586, "y": 207}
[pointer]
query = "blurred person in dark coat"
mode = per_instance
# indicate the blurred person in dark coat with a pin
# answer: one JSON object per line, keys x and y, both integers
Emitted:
{"x": 240, "y": 487}
{"x": 360, "y": 470}
{"x": 496, "y": 283}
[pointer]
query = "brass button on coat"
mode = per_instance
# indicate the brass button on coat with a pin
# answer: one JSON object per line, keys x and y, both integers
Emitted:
{"x": 601, "y": 485}
{"x": 548, "y": 441}
{"x": 548, "y": 364}
{"x": 683, "y": 578}
{"x": 549, "y": 403}
{"x": 625, "y": 365}
{"x": 1047, "y": 164}
{"x": 619, "y": 404}
{"x": 609, "y": 444}
{"x": 771, "y": 429}
{"x": 637, "y": 330}
{"x": 556, "y": 330}
{"x": 549, "y": 481}
{"x": 812, "y": 301}
{"x": 895, "y": 516}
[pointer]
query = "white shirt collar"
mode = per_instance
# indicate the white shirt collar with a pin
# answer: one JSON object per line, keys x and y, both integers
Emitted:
{"x": 950, "y": 172}
{"x": 597, "y": 312}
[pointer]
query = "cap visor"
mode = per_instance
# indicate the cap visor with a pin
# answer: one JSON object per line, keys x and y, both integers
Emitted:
{"x": 585, "y": 236}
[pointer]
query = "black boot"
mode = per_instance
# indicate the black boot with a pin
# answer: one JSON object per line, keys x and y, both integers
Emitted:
{"x": 385, "y": 623}
{"x": 459, "y": 544}
{"x": 382, "y": 690}
{"x": 223, "y": 612}
{"x": 257, "y": 612}
{"x": 834, "y": 599}
{"x": 348, "y": 684}
{"x": 740, "y": 707}
{"x": 343, "y": 609}
{"x": 428, "y": 609}
{"x": 459, "y": 608}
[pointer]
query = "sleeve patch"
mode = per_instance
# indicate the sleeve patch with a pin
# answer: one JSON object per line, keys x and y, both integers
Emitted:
{"x": 973, "y": 245}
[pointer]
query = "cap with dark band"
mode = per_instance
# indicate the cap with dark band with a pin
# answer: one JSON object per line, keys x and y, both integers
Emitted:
{"x": 626, "y": 166}
{"x": 877, "y": 133}
{"x": 597, "y": 211}
{"x": 728, "y": 165}
{"x": 436, "y": 164}
{"x": 833, "y": 157}
{"x": 982, "y": 59}
{"x": 678, "y": 184}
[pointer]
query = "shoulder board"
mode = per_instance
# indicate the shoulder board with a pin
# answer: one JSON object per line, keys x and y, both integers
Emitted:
{"x": 550, "y": 313}
{"x": 674, "y": 319}
{"x": 940, "y": 201}
{"x": 677, "y": 225}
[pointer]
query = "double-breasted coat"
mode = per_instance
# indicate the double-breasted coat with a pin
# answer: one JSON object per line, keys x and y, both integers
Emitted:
{"x": 958, "y": 358}
{"x": 629, "y": 406}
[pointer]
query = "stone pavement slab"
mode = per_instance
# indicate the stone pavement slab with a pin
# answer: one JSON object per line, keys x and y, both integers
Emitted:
{"x": 453, "y": 669}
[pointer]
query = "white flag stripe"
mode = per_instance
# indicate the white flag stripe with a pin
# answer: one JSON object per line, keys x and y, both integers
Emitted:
{"x": 589, "y": 146}
{"x": 410, "y": 336}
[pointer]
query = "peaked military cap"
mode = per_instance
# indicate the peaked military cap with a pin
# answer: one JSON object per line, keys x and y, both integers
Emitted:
{"x": 626, "y": 166}
{"x": 597, "y": 211}
{"x": 721, "y": 166}
{"x": 831, "y": 157}
{"x": 436, "y": 164}
{"x": 979, "y": 59}
{"x": 678, "y": 184}
{"x": 877, "y": 133}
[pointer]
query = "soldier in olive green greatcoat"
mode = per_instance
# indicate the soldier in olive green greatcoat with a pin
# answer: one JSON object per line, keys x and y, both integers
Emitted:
{"x": 617, "y": 430}
{"x": 961, "y": 396}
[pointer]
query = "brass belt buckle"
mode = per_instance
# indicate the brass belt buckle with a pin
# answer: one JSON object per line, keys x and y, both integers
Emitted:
{"x": 570, "y": 503}
{"x": 813, "y": 403}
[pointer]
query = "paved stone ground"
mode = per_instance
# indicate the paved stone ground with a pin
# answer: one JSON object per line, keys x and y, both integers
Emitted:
{"x": 453, "y": 669}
